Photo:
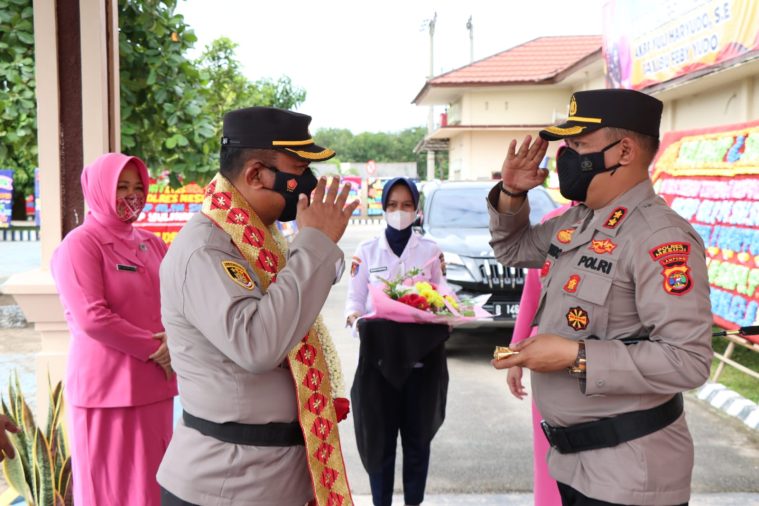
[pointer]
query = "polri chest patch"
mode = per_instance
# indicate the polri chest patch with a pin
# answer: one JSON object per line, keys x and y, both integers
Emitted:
{"x": 238, "y": 274}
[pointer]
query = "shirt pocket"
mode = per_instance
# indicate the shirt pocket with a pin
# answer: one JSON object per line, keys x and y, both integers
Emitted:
{"x": 588, "y": 312}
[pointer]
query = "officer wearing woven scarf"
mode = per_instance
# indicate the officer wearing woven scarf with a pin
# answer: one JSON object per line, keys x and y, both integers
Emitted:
{"x": 624, "y": 316}
{"x": 235, "y": 313}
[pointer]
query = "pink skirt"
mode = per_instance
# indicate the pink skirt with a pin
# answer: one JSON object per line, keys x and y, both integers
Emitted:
{"x": 115, "y": 453}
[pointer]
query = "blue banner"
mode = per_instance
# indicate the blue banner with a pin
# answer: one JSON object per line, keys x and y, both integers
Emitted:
{"x": 6, "y": 197}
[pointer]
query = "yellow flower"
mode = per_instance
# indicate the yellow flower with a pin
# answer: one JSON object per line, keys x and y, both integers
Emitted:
{"x": 452, "y": 302}
{"x": 423, "y": 285}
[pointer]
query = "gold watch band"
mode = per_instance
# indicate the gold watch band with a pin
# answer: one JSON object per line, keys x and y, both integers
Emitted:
{"x": 579, "y": 368}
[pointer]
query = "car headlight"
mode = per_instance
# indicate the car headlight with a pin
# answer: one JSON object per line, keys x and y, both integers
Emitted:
{"x": 452, "y": 259}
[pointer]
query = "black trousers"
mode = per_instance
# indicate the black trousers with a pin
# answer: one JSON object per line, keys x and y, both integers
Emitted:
{"x": 402, "y": 415}
{"x": 169, "y": 499}
{"x": 571, "y": 497}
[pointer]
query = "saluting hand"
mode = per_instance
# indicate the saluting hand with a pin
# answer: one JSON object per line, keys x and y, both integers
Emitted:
{"x": 520, "y": 171}
{"x": 6, "y": 448}
{"x": 326, "y": 213}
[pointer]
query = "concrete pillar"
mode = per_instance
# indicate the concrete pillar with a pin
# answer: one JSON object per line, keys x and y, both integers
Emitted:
{"x": 73, "y": 126}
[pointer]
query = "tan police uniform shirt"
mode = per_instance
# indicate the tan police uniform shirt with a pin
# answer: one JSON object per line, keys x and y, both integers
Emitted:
{"x": 633, "y": 268}
{"x": 228, "y": 342}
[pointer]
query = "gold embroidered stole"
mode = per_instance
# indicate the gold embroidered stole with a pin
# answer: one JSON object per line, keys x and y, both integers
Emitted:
{"x": 224, "y": 205}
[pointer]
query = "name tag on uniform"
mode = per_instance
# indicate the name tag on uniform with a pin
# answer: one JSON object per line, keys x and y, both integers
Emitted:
{"x": 377, "y": 269}
{"x": 123, "y": 267}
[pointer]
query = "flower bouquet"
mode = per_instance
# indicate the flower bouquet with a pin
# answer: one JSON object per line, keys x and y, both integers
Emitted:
{"x": 411, "y": 299}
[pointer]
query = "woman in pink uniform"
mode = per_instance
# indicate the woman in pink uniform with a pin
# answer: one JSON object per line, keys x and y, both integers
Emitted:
{"x": 546, "y": 492}
{"x": 119, "y": 385}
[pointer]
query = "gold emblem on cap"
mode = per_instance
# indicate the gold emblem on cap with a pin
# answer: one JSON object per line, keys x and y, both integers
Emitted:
{"x": 572, "y": 106}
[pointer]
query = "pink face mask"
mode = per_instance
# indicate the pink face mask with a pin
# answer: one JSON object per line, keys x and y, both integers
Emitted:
{"x": 129, "y": 208}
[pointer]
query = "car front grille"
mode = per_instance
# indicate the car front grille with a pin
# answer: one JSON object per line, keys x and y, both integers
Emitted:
{"x": 495, "y": 275}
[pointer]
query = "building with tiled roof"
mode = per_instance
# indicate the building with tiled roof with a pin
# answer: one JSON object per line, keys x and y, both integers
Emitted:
{"x": 506, "y": 96}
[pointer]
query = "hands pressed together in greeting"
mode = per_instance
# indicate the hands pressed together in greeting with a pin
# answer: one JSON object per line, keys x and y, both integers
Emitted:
{"x": 161, "y": 355}
{"x": 541, "y": 353}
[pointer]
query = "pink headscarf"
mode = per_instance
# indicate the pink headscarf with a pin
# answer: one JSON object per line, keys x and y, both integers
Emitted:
{"x": 99, "y": 182}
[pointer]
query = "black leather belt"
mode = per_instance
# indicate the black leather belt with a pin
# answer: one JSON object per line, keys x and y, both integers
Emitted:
{"x": 608, "y": 432}
{"x": 268, "y": 434}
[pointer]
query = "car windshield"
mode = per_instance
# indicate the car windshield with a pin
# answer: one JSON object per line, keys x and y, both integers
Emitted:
{"x": 466, "y": 207}
{"x": 459, "y": 207}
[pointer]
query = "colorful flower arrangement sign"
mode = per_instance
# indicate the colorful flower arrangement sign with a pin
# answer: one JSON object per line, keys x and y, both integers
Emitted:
{"x": 411, "y": 299}
{"x": 712, "y": 179}
{"x": 168, "y": 209}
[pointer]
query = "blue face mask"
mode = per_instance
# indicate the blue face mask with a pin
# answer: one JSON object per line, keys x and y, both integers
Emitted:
{"x": 576, "y": 171}
{"x": 291, "y": 186}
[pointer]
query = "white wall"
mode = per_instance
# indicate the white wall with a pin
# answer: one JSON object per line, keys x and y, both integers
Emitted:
{"x": 475, "y": 155}
{"x": 509, "y": 106}
{"x": 735, "y": 102}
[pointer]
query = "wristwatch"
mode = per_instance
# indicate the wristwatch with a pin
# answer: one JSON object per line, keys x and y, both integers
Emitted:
{"x": 511, "y": 194}
{"x": 579, "y": 368}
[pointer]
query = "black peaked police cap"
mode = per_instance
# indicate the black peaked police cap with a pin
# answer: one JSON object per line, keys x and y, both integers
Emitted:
{"x": 272, "y": 128}
{"x": 594, "y": 109}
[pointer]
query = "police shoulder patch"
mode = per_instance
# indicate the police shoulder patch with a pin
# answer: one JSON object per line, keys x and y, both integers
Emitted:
{"x": 673, "y": 258}
{"x": 238, "y": 274}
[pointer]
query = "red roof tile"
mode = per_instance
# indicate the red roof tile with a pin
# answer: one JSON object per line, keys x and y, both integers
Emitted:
{"x": 537, "y": 60}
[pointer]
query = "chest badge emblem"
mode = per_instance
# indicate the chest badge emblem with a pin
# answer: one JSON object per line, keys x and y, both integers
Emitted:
{"x": 577, "y": 318}
{"x": 546, "y": 267}
{"x": 572, "y": 283}
{"x": 565, "y": 236}
{"x": 602, "y": 246}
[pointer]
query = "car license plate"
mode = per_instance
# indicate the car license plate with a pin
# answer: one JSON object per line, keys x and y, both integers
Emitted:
{"x": 506, "y": 310}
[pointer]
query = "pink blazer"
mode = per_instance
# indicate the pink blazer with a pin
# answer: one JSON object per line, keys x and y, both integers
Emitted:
{"x": 112, "y": 305}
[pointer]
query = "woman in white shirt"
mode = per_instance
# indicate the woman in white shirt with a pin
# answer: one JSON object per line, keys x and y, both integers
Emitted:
{"x": 402, "y": 379}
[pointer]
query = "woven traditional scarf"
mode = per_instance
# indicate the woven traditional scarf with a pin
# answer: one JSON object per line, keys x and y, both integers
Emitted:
{"x": 308, "y": 362}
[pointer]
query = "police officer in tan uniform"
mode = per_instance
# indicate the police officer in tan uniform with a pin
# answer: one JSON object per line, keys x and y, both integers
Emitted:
{"x": 239, "y": 442}
{"x": 624, "y": 316}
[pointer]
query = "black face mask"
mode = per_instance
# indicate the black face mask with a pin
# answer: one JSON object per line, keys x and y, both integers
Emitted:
{"x": 576, "y": 171}
{"x": 291, "y": 187}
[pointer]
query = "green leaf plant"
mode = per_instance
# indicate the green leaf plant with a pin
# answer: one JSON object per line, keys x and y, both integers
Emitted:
{"x": 41, "y": 470}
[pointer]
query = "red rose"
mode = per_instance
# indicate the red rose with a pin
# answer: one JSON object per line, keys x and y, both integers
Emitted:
{"x": 342, "y": 408}
{"x": 415, "y": 300}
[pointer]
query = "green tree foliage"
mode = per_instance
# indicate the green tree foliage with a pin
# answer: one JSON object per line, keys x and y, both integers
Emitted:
{"x": 381, "y": 147}
{"x": 229, "y": 89}
{"x": 163, "y": 120}
{"x": 172, "y": 107}
{"x": 18, "y": 108}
